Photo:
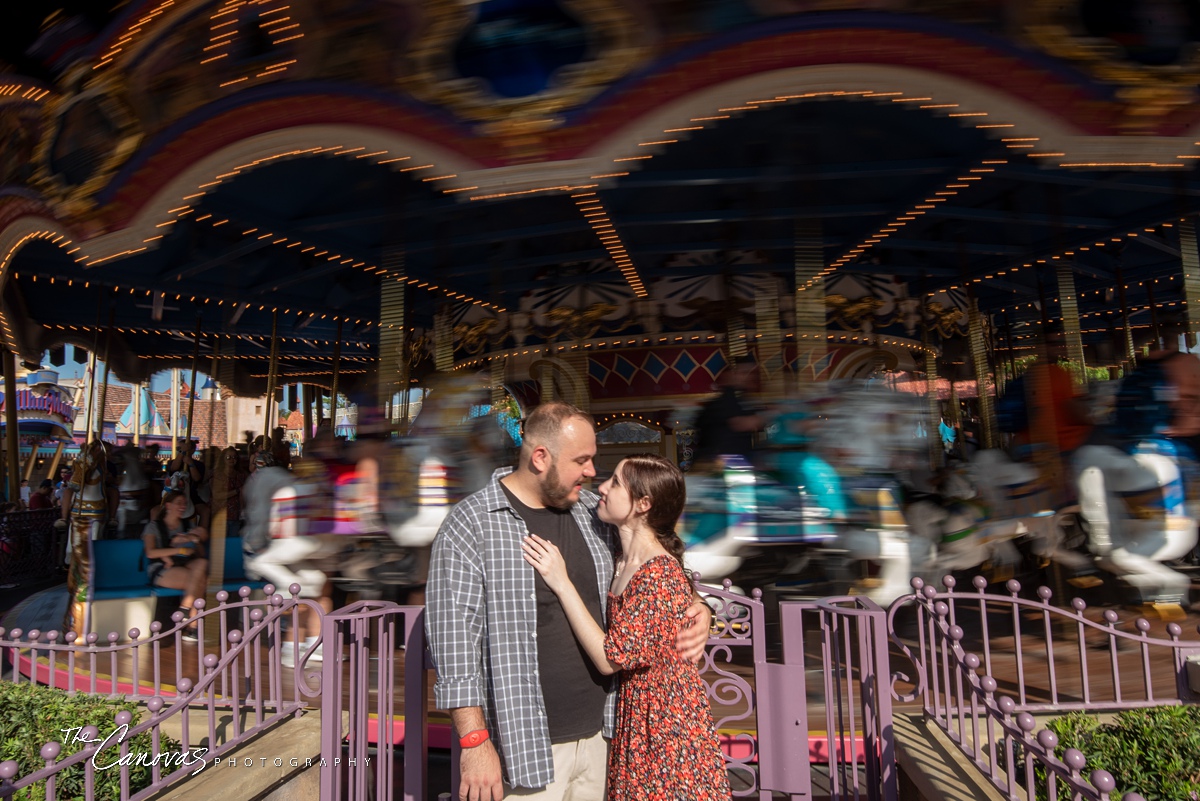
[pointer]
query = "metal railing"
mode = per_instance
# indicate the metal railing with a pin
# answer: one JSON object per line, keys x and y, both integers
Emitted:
{"x": 1058, "y": 660}
{"x": 850, "y": 653}
{"x": 359, "y": 674}
{"x": 1061, "y": 661}
{"x": 31, "y": 548}
{"x": 241, "y": 675}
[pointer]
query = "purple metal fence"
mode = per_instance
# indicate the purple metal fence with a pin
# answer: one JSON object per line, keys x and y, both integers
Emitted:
{"x": 846, "y": 640}
{"x": 1062, "y": 660}
{"x": 358, "y": 708}
{"x": 243, "y": 675}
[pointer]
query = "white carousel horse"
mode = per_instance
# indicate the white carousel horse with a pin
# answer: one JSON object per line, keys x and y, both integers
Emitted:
{"x": 1133, "y": 509}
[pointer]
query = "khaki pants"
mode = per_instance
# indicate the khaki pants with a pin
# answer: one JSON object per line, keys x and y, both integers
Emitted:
{"x": 580, "y": 770}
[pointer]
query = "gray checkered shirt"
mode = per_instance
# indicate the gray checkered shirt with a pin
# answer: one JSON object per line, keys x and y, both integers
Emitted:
{"x": 481, "y": 620}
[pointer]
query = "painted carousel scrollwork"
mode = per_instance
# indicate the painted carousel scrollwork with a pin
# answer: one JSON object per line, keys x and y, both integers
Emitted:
{"x": 853, "y": 314}
{"x": 576, "y": 324}
{"x": 611, "y": 44}
{"x": 90, "y": 135}
{"x": 1146, "y": 48}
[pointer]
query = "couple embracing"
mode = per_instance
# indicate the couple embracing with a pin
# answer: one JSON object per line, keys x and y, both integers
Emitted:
{"x": 540, "y": 594}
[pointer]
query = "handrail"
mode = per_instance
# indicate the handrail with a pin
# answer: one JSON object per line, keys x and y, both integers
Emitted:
{"x": 959, "y": 691}
{"x": 237, "y": 650}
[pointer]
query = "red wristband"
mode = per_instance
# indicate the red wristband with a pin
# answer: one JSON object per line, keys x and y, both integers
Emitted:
{"x": 474, "y": 738}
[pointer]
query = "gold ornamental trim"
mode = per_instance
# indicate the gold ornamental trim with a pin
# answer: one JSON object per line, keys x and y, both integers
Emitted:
{"x": 614, "y": 37}
{"x": 1146, "y": 92}
{"x": 70, "y": 124}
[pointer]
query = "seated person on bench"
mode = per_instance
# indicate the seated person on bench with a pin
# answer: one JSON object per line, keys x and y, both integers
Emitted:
{"x": 177, "y": 554}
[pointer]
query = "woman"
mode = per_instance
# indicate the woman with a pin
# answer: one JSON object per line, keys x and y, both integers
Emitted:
{"x": 665, "y": 745}
{"x": 176, "y": 553}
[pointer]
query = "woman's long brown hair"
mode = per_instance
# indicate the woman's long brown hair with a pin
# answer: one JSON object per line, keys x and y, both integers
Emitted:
{"x": 650, "y": 476}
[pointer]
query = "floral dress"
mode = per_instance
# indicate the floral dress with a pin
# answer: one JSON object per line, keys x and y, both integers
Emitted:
{"x": 665, "y": 746}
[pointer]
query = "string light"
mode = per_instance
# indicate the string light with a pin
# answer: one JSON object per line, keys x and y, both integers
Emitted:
{"x": 949, "y": 190}
{"x": 288, "y": 243}
{"x": 593, "y": 210}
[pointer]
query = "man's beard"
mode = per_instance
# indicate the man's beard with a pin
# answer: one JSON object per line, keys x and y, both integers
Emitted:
{"x": 555, "y": 494}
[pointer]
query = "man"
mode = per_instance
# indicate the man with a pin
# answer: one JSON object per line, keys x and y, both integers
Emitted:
{"x": 1058, "y": 414}
{"x": 725, "y": 426}
{"x": 64, "y": 478}
{"x": 528, "y": 706}
{"x": 43, "y": 497}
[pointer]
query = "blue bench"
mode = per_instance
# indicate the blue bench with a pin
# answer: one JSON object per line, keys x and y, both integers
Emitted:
{"x": 234, "y": 572}
{"x": 119, "y": 593}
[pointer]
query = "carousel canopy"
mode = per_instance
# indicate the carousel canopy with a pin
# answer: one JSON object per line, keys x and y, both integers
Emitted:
{"x": 683, "y": 160}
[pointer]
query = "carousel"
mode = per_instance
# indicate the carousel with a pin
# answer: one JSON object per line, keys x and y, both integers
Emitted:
{"x": 600, "y": 201}
{"x": 595, "y": 200}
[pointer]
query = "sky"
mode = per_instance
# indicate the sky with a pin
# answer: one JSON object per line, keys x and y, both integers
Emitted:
{"x": 71, "y": 370}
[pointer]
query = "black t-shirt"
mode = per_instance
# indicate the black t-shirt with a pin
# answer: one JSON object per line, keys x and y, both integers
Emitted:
{"x": 572, "y": 689}
{"x": 714, "y": 434}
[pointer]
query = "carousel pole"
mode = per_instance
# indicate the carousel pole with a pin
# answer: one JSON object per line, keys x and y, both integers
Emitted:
{"x": 192, "y": 384}
{"x": 1068, "y": 302}
{"x": 306, "y": 411}
{"x": 11, "y": 432}
{"x": 810, "y": 298}
{"x": 112, "y": 321}
{"x": 979, "y": 360}
{"x": 1128, "y": 357}
{"x": 91, "y": 390}
{"x": 212, "y": 406}
{"x": 1159, "y": 344}
{"x": 137, "y": 414}
{"x": 272, "y": 368}
{"x": 1190, "y": 259}
{"x": 936, "y": 451}
{"x": 405, "y": 375}
{"x": 333, "y": 389}
{"x": 391, "y": 326}
{"x": 1012, "y": 357}
{"x": 770, "y": 340}
{"x": 174, "y": 411}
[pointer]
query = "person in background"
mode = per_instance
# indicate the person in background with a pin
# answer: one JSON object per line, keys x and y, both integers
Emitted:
{"x": 236, "y": 474}
{"x": 26, "y": 493}
{"x": 1058, "y": 412}
{"x": 1183, "y": 372}
{"x": 725, "y": 426}
{"x": 64, "y": 477}
{"x": 43, "y": 497}
{"x": 178, "y": 559}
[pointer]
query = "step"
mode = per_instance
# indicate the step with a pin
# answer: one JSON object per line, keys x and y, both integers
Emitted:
{"x": 260, "y": 779}
{"x": 932, "y": 768}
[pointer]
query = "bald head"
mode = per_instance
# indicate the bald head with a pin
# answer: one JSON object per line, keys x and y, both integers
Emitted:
{"x": 545, "y": 426}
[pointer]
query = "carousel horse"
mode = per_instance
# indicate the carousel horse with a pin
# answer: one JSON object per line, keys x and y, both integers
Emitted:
{"x": 87, "y": 499}
{"x": 1132, "y": 492}
{"x": 809, "y": 508}
{"x": 873, "y": 435}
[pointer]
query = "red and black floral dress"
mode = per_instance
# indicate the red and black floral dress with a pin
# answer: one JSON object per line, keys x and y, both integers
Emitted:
{"x": 665, "y": 746}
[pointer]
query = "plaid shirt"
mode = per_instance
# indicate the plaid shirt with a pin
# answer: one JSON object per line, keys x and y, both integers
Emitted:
{"x": 481, "y": 620}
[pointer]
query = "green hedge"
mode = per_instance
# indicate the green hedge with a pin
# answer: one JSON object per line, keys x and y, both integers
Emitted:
{"x": 1155, "y": 752}
{"x": 31, "y": 716}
